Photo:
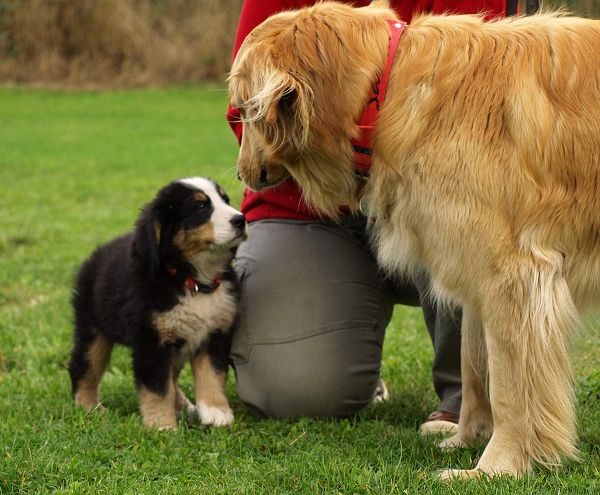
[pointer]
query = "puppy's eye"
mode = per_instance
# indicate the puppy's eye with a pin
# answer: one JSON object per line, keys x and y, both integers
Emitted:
{"x": 202, "y": 205}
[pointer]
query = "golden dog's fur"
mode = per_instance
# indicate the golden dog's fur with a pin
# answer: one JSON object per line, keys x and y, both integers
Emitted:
{"x": 486, "y": 171}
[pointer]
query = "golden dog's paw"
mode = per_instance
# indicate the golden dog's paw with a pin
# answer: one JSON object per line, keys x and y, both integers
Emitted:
{"x": 456, "y": 474}
{"x": 452, "y": 443}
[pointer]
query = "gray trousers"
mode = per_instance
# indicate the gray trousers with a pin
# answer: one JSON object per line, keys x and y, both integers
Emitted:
{"x": 314, "y": 308}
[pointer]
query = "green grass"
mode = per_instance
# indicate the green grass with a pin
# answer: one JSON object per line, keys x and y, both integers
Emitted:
{"x": 74, "y": 170}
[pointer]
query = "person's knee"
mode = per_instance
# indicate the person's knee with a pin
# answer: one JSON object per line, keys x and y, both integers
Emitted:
{"x": 304, "y": 388}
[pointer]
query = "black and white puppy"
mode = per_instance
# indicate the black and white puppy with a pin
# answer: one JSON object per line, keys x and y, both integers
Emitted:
{"x": 168, "y": 291}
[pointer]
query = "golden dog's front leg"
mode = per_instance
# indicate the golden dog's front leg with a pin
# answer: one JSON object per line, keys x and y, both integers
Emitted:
{"x": 507, "y": 453}
{"x": 528, "y": 321}
{"x": 475, "y": 425}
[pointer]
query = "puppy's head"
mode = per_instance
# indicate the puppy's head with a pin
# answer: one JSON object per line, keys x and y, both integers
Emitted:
{"x": 191, "y": 221}
{"x": 300, "y": 81}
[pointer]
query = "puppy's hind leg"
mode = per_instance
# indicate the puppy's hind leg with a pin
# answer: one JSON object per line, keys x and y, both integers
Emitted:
{"x": 475, "y": 424}
{"x": 89, "y": 359}
{"x": 153, "y": 370}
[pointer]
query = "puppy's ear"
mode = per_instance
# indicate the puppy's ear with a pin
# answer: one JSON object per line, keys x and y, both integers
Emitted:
{"x": 146, "y": 241}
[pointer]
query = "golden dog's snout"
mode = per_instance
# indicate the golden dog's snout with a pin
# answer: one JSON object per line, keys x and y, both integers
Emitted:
{"x": 262, "y": 176}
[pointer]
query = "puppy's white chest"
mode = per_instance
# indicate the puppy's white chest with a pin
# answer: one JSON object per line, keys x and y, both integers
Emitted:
{"x": 195, "y": 317}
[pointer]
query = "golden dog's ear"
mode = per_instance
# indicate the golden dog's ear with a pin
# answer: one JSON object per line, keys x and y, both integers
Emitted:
{"x": 290, "y": 101}
{"x": 282, "y": 97}
{"x": 281, "y": 103}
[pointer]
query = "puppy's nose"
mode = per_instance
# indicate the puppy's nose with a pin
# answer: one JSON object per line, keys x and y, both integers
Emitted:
{"x": 239, "y": 222}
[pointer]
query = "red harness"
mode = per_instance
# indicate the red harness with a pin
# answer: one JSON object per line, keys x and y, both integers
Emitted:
{"x": 363, "y": 143}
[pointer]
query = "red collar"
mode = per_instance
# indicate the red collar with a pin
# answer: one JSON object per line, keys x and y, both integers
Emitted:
{"x": 363, "y": 143}
{"x": 194, "y": 286}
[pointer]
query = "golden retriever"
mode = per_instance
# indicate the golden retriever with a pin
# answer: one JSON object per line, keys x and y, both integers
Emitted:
{"x": 486, "y": 172}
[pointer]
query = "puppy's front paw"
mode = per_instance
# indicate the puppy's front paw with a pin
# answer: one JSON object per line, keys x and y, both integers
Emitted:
{"x": 214, "y": 416}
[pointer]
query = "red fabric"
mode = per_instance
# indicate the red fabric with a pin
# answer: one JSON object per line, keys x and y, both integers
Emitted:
{"x": 285, "y": 200}
{"x": 363, "y": 143}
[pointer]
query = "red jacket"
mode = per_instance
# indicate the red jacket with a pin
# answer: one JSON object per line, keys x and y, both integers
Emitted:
{"x": 284, "y": 201}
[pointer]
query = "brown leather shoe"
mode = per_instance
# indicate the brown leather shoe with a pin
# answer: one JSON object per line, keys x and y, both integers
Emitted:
{"x": 440, "y": 422}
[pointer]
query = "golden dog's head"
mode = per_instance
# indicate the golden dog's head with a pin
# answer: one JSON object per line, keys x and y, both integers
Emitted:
{"x": 300, "y": 81}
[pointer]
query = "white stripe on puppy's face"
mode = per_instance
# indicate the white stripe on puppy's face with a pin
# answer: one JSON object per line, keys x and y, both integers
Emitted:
{"x": 228, "y": 226}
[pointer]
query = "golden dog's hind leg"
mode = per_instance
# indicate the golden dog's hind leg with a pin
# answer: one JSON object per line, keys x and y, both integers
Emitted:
{"x": 475, "y": 425}
{"x": 528, "y": 318}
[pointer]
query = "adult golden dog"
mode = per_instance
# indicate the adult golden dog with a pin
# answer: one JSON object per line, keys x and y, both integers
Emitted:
{"x": 486, "y": 171}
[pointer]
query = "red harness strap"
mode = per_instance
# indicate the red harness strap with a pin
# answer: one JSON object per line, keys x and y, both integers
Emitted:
{"x": 363, "y": 143}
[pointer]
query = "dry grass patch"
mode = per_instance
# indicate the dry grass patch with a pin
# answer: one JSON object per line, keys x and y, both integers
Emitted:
{"x": 115, "y": 43}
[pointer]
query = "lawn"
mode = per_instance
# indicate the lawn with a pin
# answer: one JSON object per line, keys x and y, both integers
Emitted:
{"x": 74, "y": 170}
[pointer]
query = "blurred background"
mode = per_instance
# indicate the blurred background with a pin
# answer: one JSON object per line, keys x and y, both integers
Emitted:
{"x": 116, "y": 43}
{"x": 129, "y": 43}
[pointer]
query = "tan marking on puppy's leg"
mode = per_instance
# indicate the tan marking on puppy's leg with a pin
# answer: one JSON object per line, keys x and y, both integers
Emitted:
{"x": 158, "y": 410}
{"x": 211, "y": 401}
{"x": 97, "y": 355}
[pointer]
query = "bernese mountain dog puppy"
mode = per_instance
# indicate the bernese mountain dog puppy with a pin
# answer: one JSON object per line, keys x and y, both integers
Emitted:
{"x": 168, "y": 291}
